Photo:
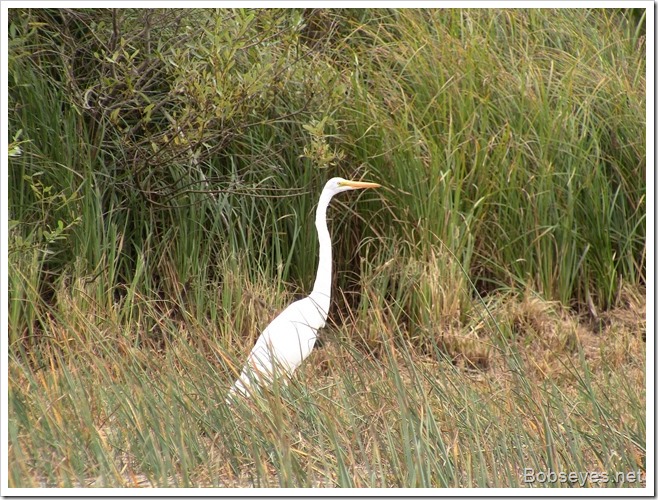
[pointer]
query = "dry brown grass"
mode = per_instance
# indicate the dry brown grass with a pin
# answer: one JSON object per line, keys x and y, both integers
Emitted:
{"x": 359, "y": 392}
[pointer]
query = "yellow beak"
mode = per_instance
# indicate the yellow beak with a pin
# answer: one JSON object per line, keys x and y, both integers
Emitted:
{"x": 360, "y": 185}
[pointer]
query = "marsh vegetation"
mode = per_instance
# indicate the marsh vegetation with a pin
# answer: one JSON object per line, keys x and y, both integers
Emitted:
{"x": 489, "y": 301}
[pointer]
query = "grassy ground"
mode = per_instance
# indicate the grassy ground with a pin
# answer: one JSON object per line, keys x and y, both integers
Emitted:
{"x": 488, "y": 321}
{"x": 555, "y": 396}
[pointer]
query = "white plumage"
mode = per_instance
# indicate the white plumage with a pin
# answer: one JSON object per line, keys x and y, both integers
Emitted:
{"x": 290, "y": 337}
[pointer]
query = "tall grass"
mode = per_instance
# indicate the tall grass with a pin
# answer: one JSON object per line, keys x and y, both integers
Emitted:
{"x": 488, "y": 302}
{"x": 514, "y": 142}
{"x": 396, "y": 420}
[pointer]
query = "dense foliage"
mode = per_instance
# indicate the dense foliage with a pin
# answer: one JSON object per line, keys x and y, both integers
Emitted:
{"x": 157, "y": 144}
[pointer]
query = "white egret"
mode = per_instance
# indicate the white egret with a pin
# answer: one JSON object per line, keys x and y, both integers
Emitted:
{"x": 290, "y": 337}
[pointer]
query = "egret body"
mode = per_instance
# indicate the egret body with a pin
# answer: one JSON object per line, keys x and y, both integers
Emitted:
{"x": 290, "y": 337}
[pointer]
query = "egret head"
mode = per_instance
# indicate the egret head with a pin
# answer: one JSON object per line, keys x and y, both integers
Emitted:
{"x": 338, "y": 185}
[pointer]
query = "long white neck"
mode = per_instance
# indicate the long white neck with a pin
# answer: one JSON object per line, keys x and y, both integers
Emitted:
{"x": 322, "y": 286}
